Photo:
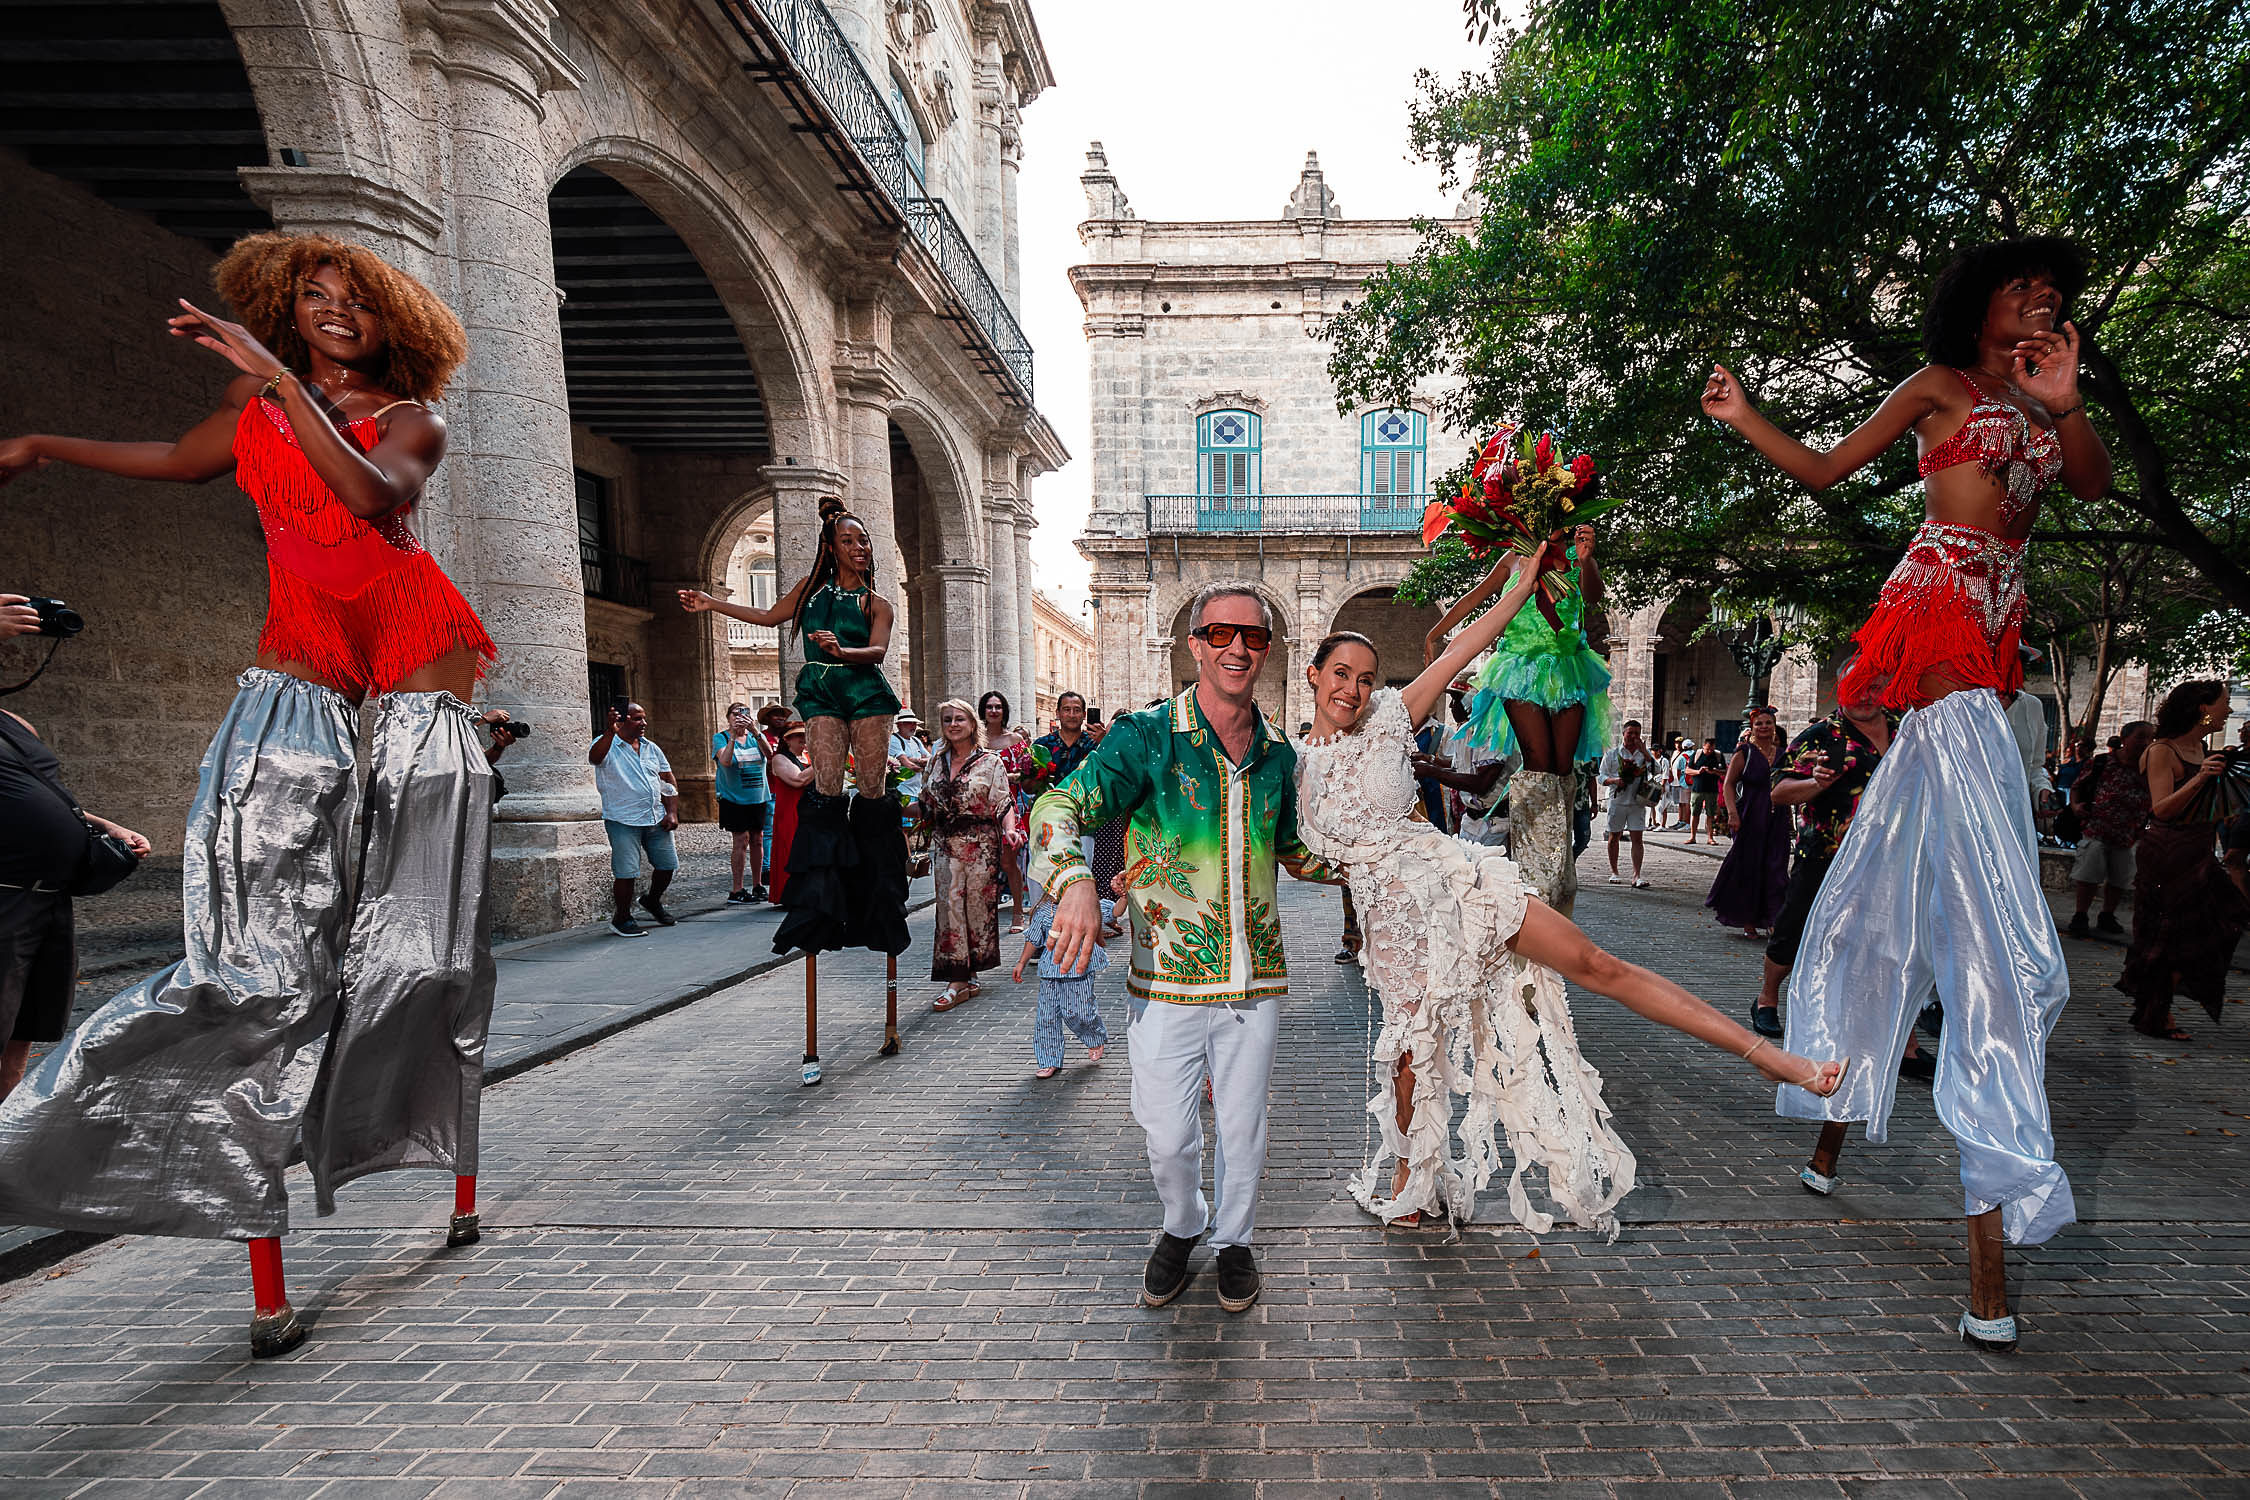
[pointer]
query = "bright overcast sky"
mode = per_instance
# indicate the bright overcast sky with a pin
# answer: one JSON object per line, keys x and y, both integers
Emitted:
{"x": 1206, "y": 108}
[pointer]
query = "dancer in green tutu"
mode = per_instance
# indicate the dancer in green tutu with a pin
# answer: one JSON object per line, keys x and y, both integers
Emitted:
{"x": 1544, "y": 696}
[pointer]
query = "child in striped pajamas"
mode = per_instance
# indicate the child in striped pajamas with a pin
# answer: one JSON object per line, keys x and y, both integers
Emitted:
{"x": 1064, "y": 999}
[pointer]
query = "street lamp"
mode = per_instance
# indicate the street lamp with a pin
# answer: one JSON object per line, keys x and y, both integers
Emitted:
{"x": 1757, "y": 637}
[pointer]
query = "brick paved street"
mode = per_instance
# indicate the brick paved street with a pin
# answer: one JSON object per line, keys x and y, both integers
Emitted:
{"x": 700, "y": 1279}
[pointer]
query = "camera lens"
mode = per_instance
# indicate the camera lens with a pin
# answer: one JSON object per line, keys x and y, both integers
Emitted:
{"x": 57, "y": 618}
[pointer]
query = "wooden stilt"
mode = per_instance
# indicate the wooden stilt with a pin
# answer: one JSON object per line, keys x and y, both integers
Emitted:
{"x": 812, "y": 1019}
{"x": 274, "y": 1328}
{"x": 1988, "y": 1266}
{"x": 1830, "y": 1147}
{"x": 890, "y": 1008}
{"x": 466, "y": 1228}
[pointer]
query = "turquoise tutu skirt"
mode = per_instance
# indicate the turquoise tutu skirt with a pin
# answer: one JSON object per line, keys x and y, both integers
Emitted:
{"x": 1552, "y": 668}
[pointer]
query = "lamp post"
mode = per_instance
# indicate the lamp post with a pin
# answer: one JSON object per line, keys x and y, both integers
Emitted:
{"x": 1757, "y": 637}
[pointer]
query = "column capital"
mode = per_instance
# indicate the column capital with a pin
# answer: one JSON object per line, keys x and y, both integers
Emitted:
{"x": 863, "y": 375}
{"x": 347, "y": 204}
{"x": 799, "y": 481}
{"x": 506, "y": 42}
{"x": 962, "y": 572}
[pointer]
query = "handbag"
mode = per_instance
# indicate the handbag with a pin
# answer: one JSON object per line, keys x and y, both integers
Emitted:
{"x": 107, "y": 859}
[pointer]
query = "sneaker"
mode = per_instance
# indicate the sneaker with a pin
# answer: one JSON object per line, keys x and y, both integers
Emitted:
{"x": 1766, "y": 1021}
{"x": 2078, "y": 927}
{"x": 2107, "y": 922}
{"x": 655, "y": 908}
{"x": 738, "y": 897}
{"x": 1167, "y": 1273}
{"x": 1238, "y": 1278}
{"x": 758, "y": 895}
{"x": 627, "y": 927}
{"x": 1921, "y": 1067}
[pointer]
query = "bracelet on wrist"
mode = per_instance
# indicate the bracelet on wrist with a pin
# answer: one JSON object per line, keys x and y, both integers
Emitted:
{"x": 2056, "y": 419}
{"x": 271, "y": 390}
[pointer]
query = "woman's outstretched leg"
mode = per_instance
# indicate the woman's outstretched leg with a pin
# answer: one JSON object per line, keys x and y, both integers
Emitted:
{"x": 1548, "y": 938}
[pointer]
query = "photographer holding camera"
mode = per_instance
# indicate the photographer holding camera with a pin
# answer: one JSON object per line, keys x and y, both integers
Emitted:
{"x": 17, "y": 616}
{"x": 47, "y": 858}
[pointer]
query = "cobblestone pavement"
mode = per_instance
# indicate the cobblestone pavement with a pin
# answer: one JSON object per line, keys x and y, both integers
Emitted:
{"x": 700, "y": 1279}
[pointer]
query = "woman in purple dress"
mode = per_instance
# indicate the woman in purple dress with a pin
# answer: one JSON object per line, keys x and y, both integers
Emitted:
{"x": 1755, "y": 874}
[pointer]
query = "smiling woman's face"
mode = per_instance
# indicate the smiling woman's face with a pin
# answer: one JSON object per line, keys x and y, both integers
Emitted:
{"x": 335, "y": 320}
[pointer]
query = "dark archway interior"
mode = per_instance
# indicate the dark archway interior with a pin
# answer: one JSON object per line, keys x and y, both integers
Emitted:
{"x": 651, "y": 358}
{"x": 146, "y": 104}
{"x": 910, "y": 494}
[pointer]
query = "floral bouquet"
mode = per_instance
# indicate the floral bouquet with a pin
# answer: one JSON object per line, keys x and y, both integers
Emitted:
{"x": 1040, "y": 775}
{"x": 1517, "y": 497}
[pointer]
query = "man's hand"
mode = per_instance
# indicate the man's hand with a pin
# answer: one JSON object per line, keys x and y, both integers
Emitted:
{"x": 133, "y": 841}
{"x": 1077, "y": 927}
{"x": 671, "y": 821}
{"x": 17, "y": 617}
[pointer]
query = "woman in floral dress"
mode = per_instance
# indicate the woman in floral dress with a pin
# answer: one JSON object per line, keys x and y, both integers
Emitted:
{"x": 1470, "y": 967}
{"x": 965, "y": 798}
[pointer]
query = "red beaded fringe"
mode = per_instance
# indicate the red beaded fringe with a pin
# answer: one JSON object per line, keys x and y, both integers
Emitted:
{"x": 1919, "y": 630}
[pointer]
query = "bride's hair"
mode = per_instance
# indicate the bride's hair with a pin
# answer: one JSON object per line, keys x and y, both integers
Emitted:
{"x": 1329, "y": 643}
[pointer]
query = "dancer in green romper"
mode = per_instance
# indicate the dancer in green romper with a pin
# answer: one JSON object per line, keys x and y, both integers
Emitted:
{"x": 847, "y": 865}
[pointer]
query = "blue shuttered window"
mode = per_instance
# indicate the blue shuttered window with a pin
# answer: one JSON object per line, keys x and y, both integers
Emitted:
{"x": 1228, "y": 477}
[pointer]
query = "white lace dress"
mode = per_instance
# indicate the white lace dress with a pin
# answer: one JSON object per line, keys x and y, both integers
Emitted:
{"x": 1475, "y": 1020}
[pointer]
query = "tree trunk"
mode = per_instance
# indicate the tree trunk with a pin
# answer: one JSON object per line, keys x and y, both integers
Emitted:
{"x": 2061, "y": 673}
{"x": 2089, "y": 726}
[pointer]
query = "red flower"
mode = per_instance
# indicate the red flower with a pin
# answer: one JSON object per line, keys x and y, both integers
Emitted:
{"x": 1544, "y": 451}
{"x": 1435, "y": 518}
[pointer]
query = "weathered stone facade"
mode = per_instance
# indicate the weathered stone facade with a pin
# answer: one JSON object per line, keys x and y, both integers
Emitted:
{"x": 875, "y": 352}
{"x": 1062, "y": 656}
{"x": 1188, "y": 322}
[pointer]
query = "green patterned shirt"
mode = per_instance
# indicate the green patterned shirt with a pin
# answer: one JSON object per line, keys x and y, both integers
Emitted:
{"x": 1201, "y": 849}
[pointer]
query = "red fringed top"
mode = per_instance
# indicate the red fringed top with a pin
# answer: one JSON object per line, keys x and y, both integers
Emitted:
{"x": 359, "y": 602}
{"x": 1953, "y": 605}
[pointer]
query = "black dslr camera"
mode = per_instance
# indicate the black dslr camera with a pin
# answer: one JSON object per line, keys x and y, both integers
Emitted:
{"x": 57, "y": 618}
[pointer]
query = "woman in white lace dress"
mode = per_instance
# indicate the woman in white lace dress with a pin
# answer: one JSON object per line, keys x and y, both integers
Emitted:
{"x": 1470, "y": 968}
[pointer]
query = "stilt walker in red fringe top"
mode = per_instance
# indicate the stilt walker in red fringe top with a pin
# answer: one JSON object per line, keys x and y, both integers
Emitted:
{"x": 1936, "y": 886}
{"x": 350, "y": 1012}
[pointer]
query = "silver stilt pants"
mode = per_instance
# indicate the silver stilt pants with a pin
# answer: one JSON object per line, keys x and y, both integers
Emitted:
{"x": 1539, "y": 823}
{"x": 1936, "y": 888}
{"x": 406, "y": 1063}
{"x": 174, "y": 1109}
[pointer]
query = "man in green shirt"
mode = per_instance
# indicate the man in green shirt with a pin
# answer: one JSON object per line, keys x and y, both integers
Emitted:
{"x": 1210, "y": 789}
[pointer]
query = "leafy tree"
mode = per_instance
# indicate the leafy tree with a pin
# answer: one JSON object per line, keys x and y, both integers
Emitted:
{"x": 1774, "y": 184}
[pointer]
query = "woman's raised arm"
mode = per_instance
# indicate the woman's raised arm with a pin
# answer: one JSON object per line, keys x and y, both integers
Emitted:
{"x": 1915, "y": 398}
{"x": 1422, "y": 694}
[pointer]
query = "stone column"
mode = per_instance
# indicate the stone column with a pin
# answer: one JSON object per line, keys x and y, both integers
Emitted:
{"x": 1005, "y": 606}
{"x": 1794, "y": 689}
{"x": 510, "y": 453}
{"x": 1011, "y": 164}
{"x": 1027, "y": 584}
{"x": 961, "y": 590}
{"x": 798, "y": 490}
{"x": 1632, "y": 660}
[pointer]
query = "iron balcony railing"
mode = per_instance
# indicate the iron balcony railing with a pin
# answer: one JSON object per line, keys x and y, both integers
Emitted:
{"x": 613, "y": 576}
{"x": 743, "y": 634}
{"x": 1319, "y": 515}
{"x": 814, "y": 49}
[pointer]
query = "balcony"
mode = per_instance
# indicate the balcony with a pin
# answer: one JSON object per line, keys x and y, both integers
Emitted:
{"x": 744, "y": 636}
{"x": 1284, "y": 515}
{"x": 613, "y": 576}
{"x": 799, "y": 50}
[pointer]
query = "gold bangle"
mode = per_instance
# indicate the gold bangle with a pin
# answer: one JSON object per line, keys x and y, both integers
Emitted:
{"x": 272, "y": 388}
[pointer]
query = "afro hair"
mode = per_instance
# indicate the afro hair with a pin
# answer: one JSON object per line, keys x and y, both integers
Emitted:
{"x": 1964, "y": 289}
{"x": 261, "y": 276}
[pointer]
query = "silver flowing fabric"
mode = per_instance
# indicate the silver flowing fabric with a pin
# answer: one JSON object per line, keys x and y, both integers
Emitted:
{"x": 406, "y": 1065}
{"x": 174, "y": 1109}
{"x": 1937, "y": 888}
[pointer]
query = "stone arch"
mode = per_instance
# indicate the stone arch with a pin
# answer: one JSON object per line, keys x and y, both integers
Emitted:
{"x": 314, "y": 66}
{"x": 740, "y": 269}
{"x": 1396, "y": 629}
{"x": 933, "y": 516}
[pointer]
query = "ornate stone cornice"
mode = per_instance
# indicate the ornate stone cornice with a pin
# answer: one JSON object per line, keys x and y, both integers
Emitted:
{"x": 503, "y": 41}
{"x": 327, "y": 200}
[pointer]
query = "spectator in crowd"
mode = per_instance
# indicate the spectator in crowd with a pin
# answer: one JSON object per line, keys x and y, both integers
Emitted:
{"x": 1072, "y": 741}
{"x": 640, "y": 808}
{"x": 1823, "y": 776}
{"x": 2187, "y": 914}
{"x": 1064, "y": 998}
{"x": 1633, "y": 777}
{"x": 908, "y": 754}
{"x": 1014, "y": 753}
{"x": 1427, "y": 762}
{"x": 505, "y": 732}
{"x": 2067, "y": 766}
{"x": 966, "y": 801}
{"x": 1474, "y": 778}
{"x": 1586, "y": 800}
{"x": 738, "y": 756}
{"x": 41, "y": 854}
{"x": 788, "y": 773}
{"x": 2112, "y": 797}
{"x": 1704, "y": 771}
{"x": 1676, "y": 761}
{"x": 1752, "y": 880}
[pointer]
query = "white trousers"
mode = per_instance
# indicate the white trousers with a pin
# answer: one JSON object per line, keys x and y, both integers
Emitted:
{"x": 1172, "y": 1048}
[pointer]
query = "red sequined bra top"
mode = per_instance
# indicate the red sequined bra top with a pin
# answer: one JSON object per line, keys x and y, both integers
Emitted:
{"x": 1998, "y": 439}
{"x": 361, "y": 602}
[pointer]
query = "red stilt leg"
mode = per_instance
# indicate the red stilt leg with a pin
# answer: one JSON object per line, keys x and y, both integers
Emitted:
{"x": 812, "y": 1019}
{"x": 465, "y": 1229}
{"x": 274, "y": 1328}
